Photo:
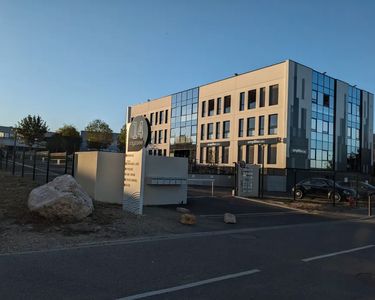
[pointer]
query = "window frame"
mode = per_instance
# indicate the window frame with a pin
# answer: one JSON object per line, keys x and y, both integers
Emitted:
{"x": 218, "y": 106}
{"x": 272, "y": 95}
{"x": 225, "y": 154}
{"x": 227, "y": 100}
{"x": 203, "y": 112}
{"x": 211, "y": 112}
{"x": 217, "y": 130}
{"x": 226, "y": 134}
{"x": 248, "y": 133}
{"x": 161, "y": 117}
{"x": 203, "y": 128}
{"x": 262, "y": 97}
{"x": 251, "y": 99}
{"x": 272, "y": 130}
{"x": 261, "y": 125}
{"x": 210, "y": 135}
{"x": 242, "y": 101}
{"x": 240, "y": 127}
{"x": 271, "y": 147}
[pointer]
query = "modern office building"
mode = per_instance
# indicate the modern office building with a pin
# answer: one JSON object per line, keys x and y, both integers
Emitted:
{"x": 7, "y": 139}
{"x": 284, "y": 116}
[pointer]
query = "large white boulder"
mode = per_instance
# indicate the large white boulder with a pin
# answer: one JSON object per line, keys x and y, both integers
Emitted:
{"x": 63, "y": 198}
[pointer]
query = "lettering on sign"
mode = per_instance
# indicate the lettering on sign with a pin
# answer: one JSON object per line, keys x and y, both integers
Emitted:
{"x": 299, "y": 151}
{"x": 248, "y": 180}
{"x": 134, "y": 165}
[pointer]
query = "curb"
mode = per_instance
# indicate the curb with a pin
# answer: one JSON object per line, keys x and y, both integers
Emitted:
{"x": 274, "y": 204}
{"x": 312, "y": 212}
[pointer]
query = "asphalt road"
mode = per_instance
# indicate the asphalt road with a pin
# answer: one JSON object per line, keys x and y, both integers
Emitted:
{"x": 308, "y": 258}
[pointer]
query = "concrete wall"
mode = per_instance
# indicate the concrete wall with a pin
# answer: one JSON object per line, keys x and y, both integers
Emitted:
{"x": 110, "y": 177}
{"x": 85, "y": 167}
{"x": 262, "y": 78}
{"x": 101, "y": 174}
{"x": 165, "y": 167}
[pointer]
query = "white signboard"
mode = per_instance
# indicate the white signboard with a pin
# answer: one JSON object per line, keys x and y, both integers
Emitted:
{"x": 135, "y": 155}
{"x": 248, "y": 181}
{"x": 134, "y": 181}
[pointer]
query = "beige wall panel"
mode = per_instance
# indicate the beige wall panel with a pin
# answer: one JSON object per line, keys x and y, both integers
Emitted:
{"x": 85, "y": 170}
{"x": 110, "y": 174}
{"x": 101, "y": 174}
{"x": 263, "y": 78}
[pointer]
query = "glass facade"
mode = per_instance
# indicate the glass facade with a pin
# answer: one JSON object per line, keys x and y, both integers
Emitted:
{"x": 353, "y": 125}
{"x": 322, "y": 121}
{"x": 184, "y": 118}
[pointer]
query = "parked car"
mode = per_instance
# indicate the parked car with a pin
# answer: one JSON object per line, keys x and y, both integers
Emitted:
{"x": 364, "y": 188}
{"x": 322, "y": 188}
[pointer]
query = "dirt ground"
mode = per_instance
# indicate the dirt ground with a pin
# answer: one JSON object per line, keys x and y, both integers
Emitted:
{"x": 21, "y": 230}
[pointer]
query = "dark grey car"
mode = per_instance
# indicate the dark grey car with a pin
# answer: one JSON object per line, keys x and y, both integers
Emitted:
{"x": 322, "y": 188}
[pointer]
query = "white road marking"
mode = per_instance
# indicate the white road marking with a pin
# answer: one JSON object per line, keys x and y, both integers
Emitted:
{"x": 337, "y": 253}
{"x": 190, "y": 285}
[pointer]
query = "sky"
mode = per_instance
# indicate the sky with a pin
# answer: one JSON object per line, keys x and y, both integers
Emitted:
{"x": 73, "y": 61}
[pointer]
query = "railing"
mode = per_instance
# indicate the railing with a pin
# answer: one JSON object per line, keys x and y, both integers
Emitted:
{"x": 41, "y": 166}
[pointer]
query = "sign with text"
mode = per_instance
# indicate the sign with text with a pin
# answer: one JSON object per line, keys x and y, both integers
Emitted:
{"x": 134, "y": 178}
{"x": 248, "y": 180}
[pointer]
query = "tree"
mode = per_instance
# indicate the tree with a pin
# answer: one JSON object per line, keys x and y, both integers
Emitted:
{"x": 66, "y": 139}
{"x": 31, "y": 129}
{"x": 121, "y": 139}
{"x": 68, "y": 130}
{"x": 99, "y": 135}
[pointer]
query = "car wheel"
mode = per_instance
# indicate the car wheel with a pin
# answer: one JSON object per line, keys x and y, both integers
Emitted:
{"x": 337, "y": 197}
{"x": 299, "y": 194}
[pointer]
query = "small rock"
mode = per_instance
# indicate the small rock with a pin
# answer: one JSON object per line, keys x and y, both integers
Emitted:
{"x": 183, "y": 210}
{"x": 188, "y": 219}
{"x": 229, "y": 218}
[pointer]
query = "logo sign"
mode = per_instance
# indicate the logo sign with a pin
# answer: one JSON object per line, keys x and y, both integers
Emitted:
{"x": 265, "y": 141}
{"x": 299, "y": 151}
{"x": 139, "y": 134}
{"x": 242, "y": 164}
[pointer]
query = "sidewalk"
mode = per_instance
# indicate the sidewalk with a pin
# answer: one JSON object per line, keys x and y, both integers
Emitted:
{"x": 341, "y": 210}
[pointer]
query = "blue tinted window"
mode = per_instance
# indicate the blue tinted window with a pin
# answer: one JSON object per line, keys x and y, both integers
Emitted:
{"x": 184, "y": 117}
{"x": 322, "y": 121}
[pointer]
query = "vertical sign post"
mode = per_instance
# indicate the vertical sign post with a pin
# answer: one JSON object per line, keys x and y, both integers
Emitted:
{"x": 247, "y": 180}
{"x": 138, "y": 136}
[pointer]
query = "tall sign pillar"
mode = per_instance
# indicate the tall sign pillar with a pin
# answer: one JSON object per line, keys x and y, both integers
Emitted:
{"x": 138, "y": 136}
